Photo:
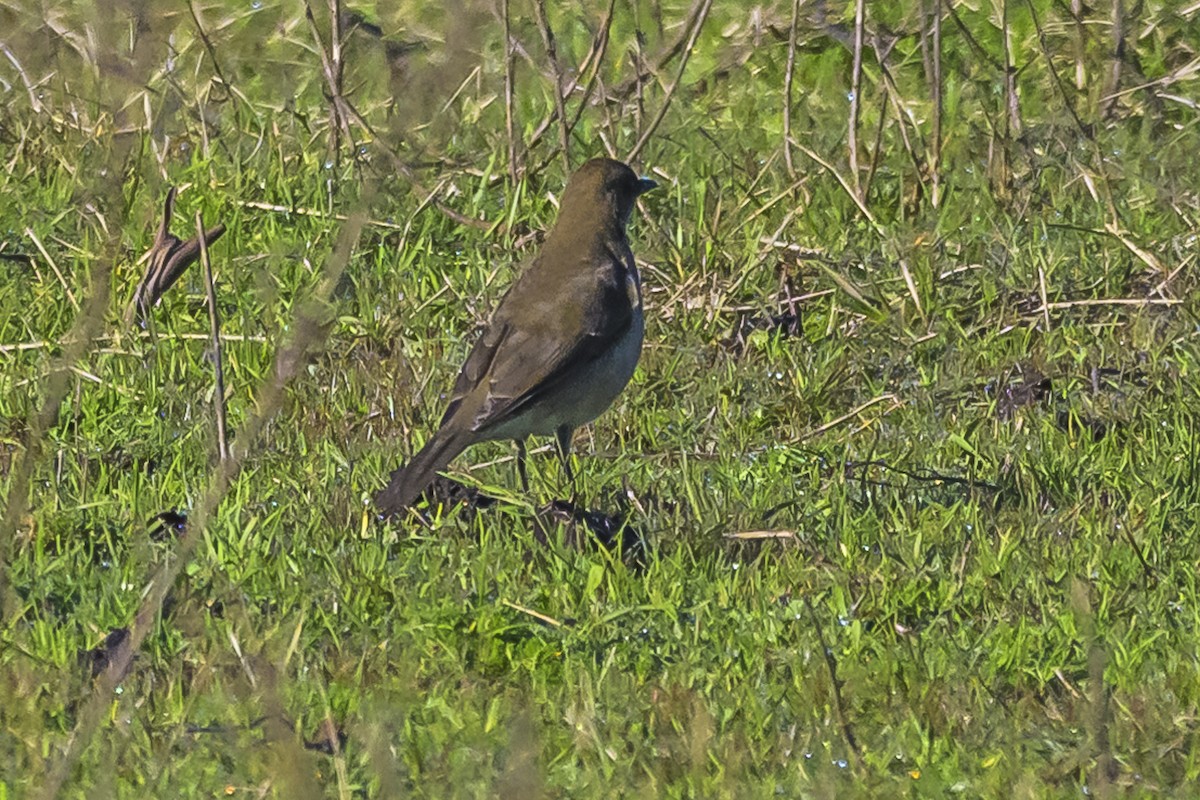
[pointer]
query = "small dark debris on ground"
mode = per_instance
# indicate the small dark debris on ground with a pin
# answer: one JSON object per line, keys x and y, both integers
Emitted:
{"x": 786, "y": 324}
{"x": 98, "y": 659}
{"x": 1030, "y": 388}
{"x": 1033, "y": 388}
{"x": 1071, "y": 423}
{"x": 327, "y": 739}
{"x": 167, "y": 524}
{"x": 449, "y": 492}
{"x": 788, "y": 321}
{"x": 583, "y": 525}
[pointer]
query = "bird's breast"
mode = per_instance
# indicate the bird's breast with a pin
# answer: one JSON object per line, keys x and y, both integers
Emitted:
{"x": 598, "y": 383}
{"x": 584, "y": 393}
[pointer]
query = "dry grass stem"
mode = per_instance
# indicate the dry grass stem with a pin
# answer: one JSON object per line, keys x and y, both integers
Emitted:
{"x": 849, "y": 415}
{"x": 215, "y": 331}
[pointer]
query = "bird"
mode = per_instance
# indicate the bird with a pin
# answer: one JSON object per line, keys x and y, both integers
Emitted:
{"x": 561, "y": 344}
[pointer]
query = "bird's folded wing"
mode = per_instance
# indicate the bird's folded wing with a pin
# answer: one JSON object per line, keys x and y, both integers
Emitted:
{"x": 544, "y": 329}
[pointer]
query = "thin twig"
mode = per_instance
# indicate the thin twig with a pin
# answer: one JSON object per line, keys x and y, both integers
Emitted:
{"x": 760, "y": 535}
{"x": 208, "y": 47}
{"x": 787, "y": 92}
{"x": 1045, "y": 298}
{"x": 535, "y": 614}
{"x": 862, "y": 208}
{"x": 909, "y": 282}
{"x": 1010, "y": 77}
{"x": 877, "y": 148}
{"x": 855, "y": 90}
{"x": 1186, "y": 72}
{"x": 1111, "y": 229}
{"x": 332, "y": 69}
{"x": 935, "y": 143}
{"x": 665, "y": 56}
{"x": 407, "y": 171}
{"x": 696, "y": 24}
{"x": 316, "y": 212}
{"x": 921, "y": 475}
{"x": 1143, "y": 255}
{"x": 977, "y": 50}
{"x": 335, "y": 43}
{"x": 1113, "y": 301}
{"x": 35, "y": 102}
{"x": 894, "y": 98}
{"x": 1084, "y": 130}
{"x": 22, "y": 347}
{"x": 338, "y": 69}
{"x": 591, "y": 67}
{"x": 509, "y": 111}
{"x": 640, "y": 76}
{"x": 854, "y": 412}
{"x": 1113, "y": 81}
{"x": 559, "y": 102}
{"x": 1162, "y": 285}
{"x": 214, "y": 324}
{"x": 839, "y": 705}
{"x": 58, "y": 273}
{"x": 593, "y": 60}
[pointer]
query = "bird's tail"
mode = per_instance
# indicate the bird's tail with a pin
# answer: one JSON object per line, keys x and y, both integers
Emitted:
{"x": 407, "y": 482}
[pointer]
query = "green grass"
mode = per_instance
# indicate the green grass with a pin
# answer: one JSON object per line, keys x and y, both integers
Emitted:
{"x": 974, "y": 584}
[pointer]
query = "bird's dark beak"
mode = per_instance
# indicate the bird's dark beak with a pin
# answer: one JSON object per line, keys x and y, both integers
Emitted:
{"x": 645, "y": 184}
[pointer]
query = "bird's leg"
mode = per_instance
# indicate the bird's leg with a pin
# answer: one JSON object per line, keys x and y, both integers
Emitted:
{"x": 521, "y": 465}
{"x": 563, "y": 437}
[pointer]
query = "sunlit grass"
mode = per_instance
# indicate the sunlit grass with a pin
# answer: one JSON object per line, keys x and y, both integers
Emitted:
{"x": 926, "y": 535}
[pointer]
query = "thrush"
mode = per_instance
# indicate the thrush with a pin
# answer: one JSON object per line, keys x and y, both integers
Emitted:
{"x": 561, "y": 344}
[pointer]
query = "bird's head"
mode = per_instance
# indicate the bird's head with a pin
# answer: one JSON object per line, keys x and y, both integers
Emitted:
{"x": 602, "y": 191}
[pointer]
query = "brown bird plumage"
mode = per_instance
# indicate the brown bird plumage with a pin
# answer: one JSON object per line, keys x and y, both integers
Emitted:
{"x": 562, "y": 343}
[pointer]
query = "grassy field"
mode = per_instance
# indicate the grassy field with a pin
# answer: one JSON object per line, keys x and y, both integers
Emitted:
{"x": 903, "y": 500}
